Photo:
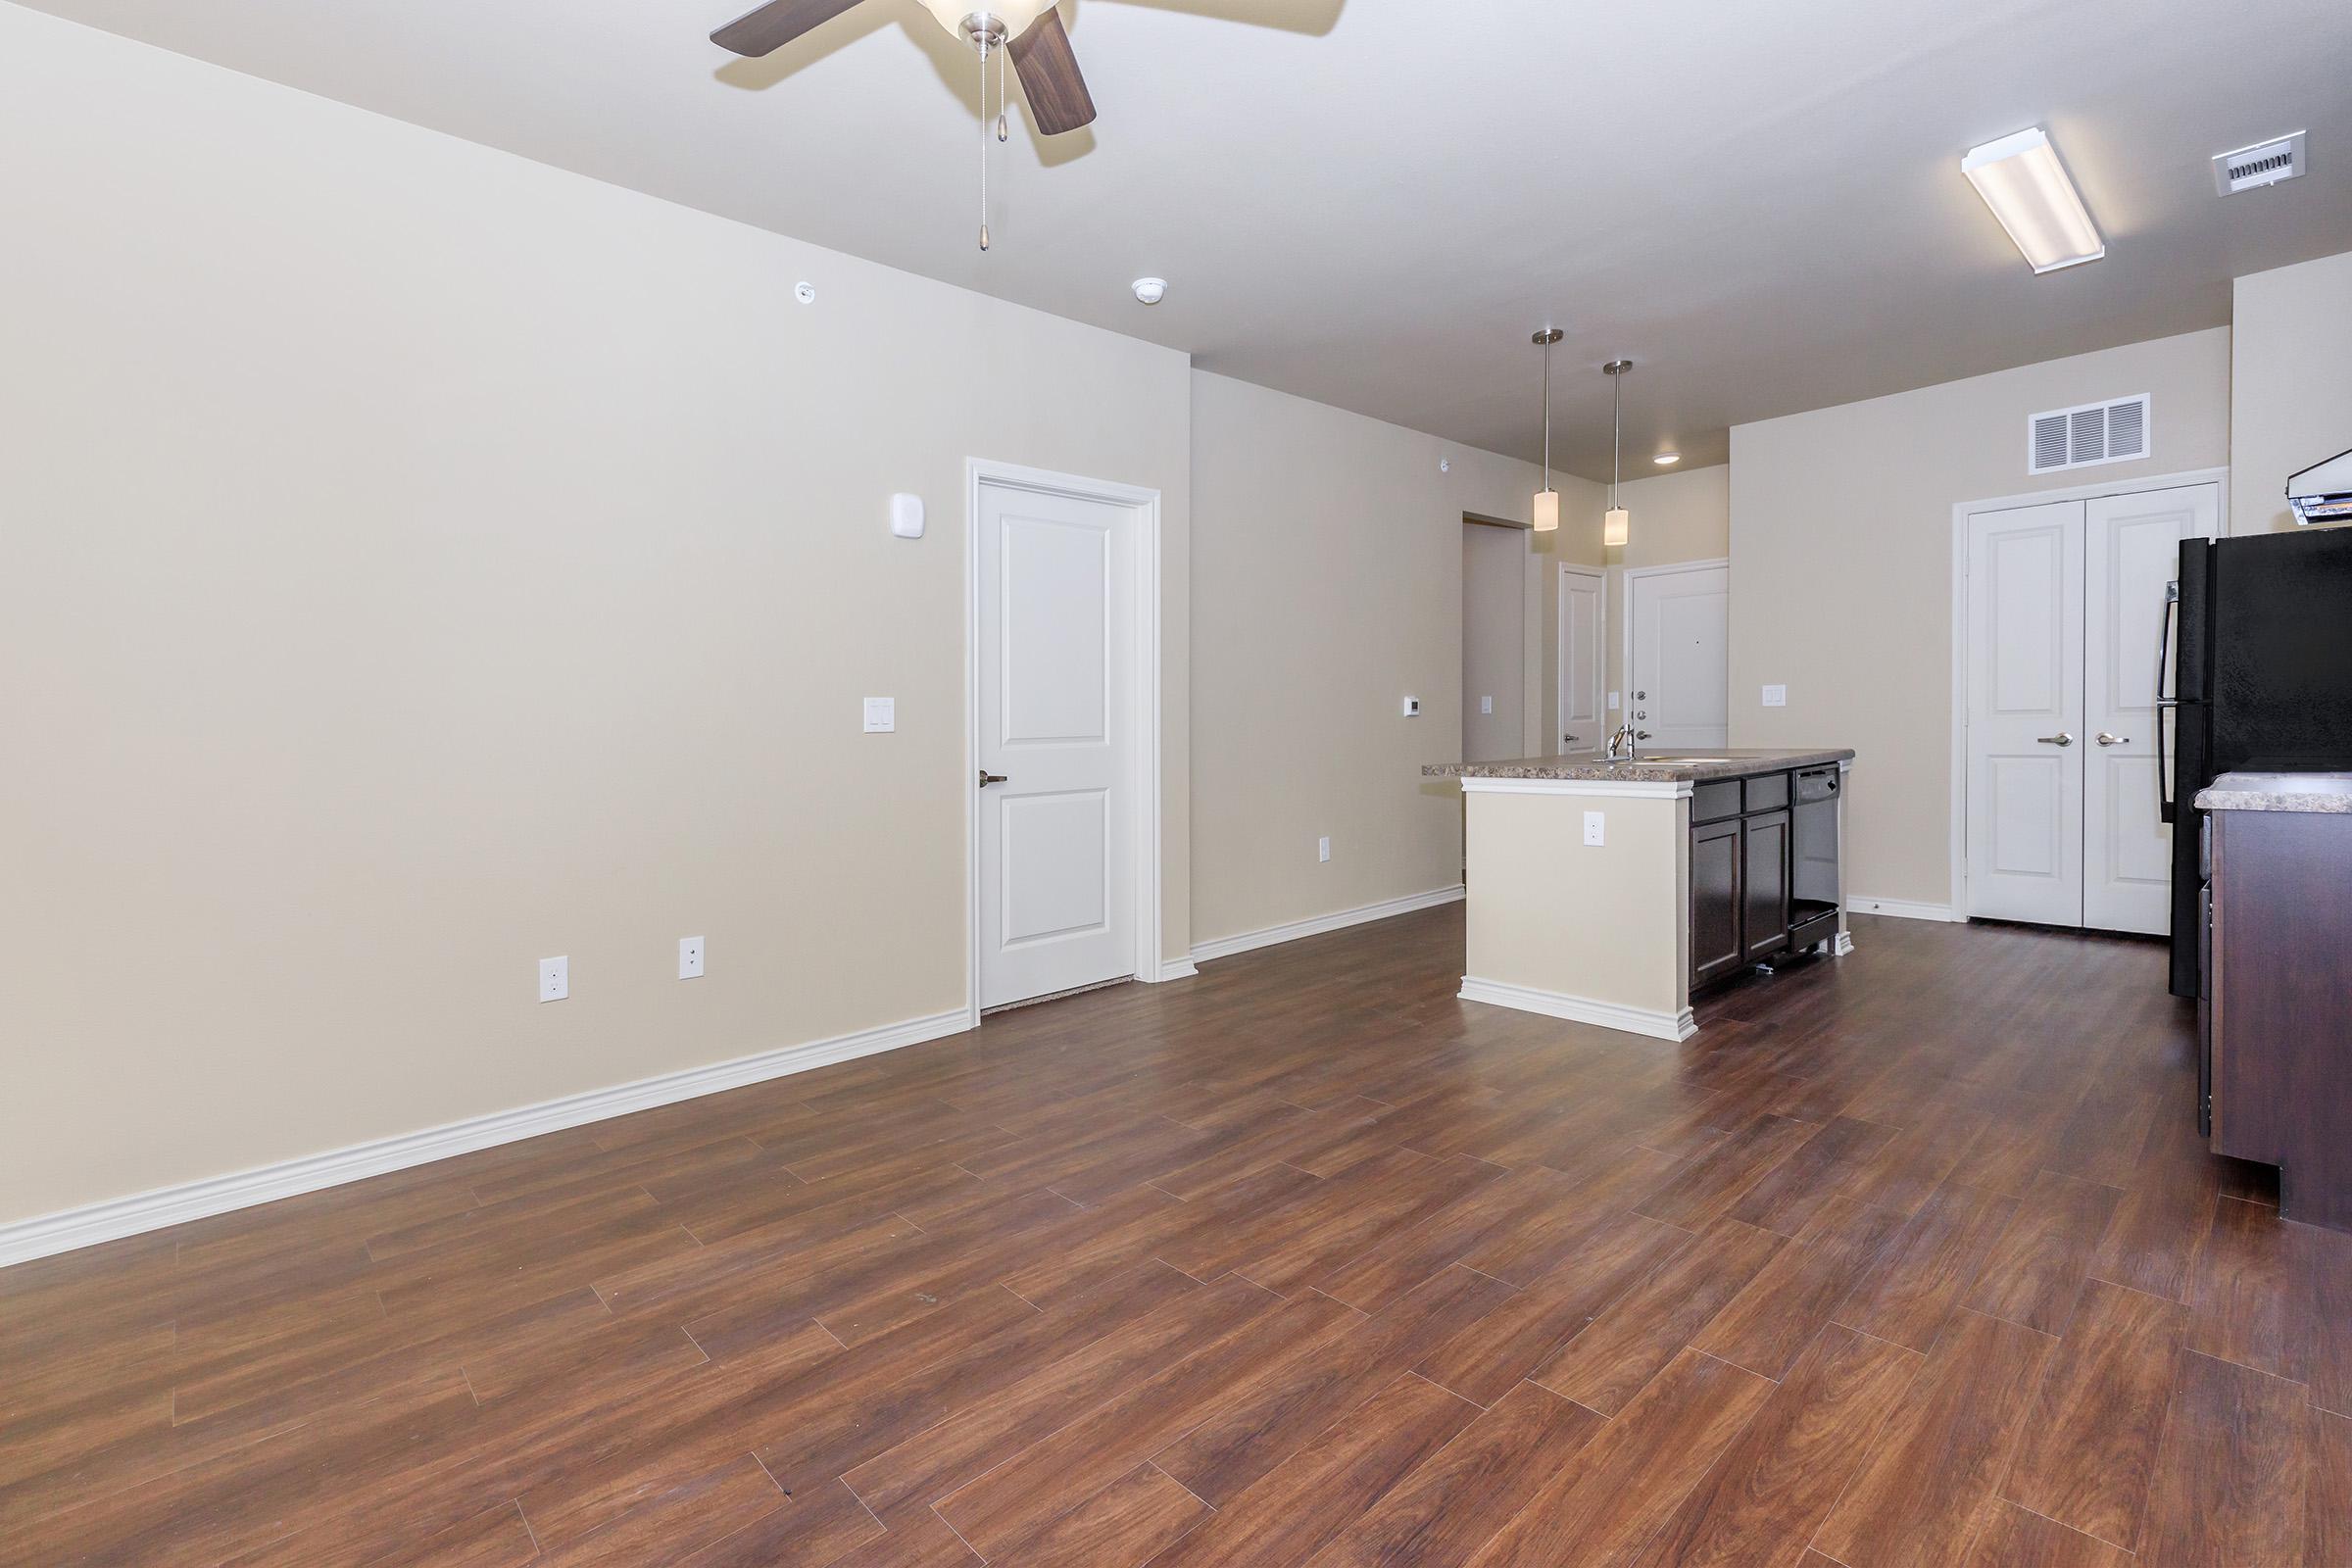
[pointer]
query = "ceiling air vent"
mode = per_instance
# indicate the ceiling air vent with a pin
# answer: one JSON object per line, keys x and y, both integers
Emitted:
{"x": 2085, "y": 437}
{"x": 2263, "y": 163}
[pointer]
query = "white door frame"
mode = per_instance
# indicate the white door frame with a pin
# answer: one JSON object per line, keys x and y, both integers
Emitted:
{"x": 1961, "y": 511}
{"x": 1559, "y": 651}
{"x": 1625, "y": 576}
{"x": 1143, "y": 837}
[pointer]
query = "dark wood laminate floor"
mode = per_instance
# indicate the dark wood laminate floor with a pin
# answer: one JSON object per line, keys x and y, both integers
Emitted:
{"x": 1908, "y": 1259}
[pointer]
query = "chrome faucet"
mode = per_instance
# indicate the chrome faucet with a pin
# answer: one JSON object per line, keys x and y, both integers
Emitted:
{"x": 1623, "y": 745}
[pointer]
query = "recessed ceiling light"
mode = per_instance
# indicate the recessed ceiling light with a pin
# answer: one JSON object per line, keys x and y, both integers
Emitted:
{"x": 2027, "y": 187}
{"x": 1667, "y": 460}
{"x": 1150, "y": 290}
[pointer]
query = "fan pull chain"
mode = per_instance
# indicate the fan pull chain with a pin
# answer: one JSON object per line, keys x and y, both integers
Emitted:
{"x": 1003, "y": 131}
{"x": 980, "y": 41}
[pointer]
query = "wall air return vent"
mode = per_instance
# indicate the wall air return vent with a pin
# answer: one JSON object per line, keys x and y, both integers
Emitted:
{"x": 2086, "y": 436}
{"x": 2263, "y": 163}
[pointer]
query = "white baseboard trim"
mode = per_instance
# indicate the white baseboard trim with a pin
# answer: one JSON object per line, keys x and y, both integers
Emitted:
{"x": 1900, "y": 909}
{"x": 62, "y": 1232}
{"x": 1581, "y": 1010}
{"x": 1315, "y": 926}
{"x": 1176, "y": 969}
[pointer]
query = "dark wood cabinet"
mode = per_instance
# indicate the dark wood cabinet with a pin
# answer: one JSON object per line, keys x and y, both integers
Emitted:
{"x": 1765, "y": 862}
{"x": 1716, "y": 947}
{"x": 1743, "y": 876}
{"x": 2277, "y": 1009}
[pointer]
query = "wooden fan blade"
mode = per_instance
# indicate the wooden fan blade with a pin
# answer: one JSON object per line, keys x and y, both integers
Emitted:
{"x": 774, "y": 26}
{"x": 1050, "y": 76}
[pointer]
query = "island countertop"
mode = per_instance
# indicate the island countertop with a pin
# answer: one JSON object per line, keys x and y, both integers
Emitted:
{"x": 1667, "y": 768}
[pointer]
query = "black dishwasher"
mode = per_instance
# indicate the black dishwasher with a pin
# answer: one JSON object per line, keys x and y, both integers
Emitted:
{"x": 1813, "y": 890}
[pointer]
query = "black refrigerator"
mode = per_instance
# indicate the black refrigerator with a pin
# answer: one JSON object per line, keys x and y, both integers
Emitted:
{"x": 2261, "y": 680}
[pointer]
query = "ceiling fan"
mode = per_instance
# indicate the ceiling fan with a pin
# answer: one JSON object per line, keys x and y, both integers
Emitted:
{"x": 1029, "y": 31}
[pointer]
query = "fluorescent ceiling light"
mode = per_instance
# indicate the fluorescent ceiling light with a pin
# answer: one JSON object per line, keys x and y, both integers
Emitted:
{"x": 2025, "y": 184}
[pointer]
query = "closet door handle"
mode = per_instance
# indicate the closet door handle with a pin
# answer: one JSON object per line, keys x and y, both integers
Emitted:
{"x": 2062, "y": 738}
{"x": 2105, "y": 739}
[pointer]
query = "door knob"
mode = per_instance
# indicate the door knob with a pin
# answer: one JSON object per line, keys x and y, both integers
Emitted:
{"x": 1566, "y": 738}
{"x": 2062, "y": 738}
{"x": 987, "y": 778}
{"x": 2105, "y": 739}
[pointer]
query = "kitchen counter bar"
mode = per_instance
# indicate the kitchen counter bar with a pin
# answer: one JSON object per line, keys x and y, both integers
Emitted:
{"x": 1664, "y": 768}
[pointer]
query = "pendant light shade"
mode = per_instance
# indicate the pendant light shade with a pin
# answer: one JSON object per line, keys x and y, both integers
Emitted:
{"x": 1546, "y": 513}
{"x": 1617, "y": 527}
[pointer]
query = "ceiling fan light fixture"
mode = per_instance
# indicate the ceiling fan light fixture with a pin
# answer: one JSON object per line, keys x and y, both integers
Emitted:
{"x": 1012, "y": 16}
{"x": 1667, "y": 460}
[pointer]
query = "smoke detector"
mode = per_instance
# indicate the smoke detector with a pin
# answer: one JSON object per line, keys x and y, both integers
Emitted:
{"x": 1150, "y": 290}
{"x": 2264, "y": 162}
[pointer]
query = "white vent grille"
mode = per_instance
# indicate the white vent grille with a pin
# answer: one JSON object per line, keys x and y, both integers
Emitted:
{"x": 2085, "y": 437}
{"x": 2263, "y": 163}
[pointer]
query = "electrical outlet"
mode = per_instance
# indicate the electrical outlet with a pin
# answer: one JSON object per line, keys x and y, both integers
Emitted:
{"x": 1323, "y": 849}
{"x": 555, "y": 979}
{"x": 1593, "y": 827}
{"x": 1776, "y": 697}
{"x": 690, "y": 957}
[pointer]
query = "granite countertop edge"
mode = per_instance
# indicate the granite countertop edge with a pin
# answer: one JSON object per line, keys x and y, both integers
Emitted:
{"x": 1740, "y": 764}
{"x": 2263, "y": 801}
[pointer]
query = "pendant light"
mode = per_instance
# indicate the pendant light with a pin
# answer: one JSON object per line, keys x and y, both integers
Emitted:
{"x": 1547, "y": 500}
{"x": 1618, "y": 527}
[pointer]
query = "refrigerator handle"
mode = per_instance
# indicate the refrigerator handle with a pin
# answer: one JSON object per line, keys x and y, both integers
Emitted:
{"x": 2165, "y": 805}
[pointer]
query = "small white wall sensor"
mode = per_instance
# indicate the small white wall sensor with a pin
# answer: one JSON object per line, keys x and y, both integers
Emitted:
{"x": 907, "y": 516}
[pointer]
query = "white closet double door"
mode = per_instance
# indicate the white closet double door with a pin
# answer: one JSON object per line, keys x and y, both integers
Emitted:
{"x": 2066, "y": 611}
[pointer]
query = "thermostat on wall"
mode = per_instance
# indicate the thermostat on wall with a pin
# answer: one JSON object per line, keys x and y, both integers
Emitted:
{"x": 906, "y": 517}
{"x": 1413, "y": 708}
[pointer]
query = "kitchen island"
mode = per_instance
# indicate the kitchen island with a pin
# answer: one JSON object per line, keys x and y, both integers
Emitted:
{"x": 1612, "y": 893}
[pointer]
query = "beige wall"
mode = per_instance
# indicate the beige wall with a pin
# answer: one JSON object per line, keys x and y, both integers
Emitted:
{"x": 419, "y": 561}
{"x": 1327, "y": 586}
{"x": 1842, "y": 547}
{"x": 2290, "y": 383}
{"x": 1496, "y": 569}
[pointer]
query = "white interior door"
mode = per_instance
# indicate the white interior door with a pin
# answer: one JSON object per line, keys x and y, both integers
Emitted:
{"x": 1056, "y": 593}
{"x": 2025, "y": 714}
{"x": 1581, "y": 595}
{"x": 2131, "y": 547}
{"x": 1677, "y": 657}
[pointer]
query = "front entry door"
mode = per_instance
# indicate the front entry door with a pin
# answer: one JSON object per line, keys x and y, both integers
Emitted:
{"x": 2132, "y": 550}
{"x": 2025, "y": 714}
{"x": 1054, "y": 639}
{"x": 1677, "y": 657}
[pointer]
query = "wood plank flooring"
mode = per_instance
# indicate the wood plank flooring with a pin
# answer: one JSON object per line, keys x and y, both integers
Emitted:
{"x": 1908, "y": 1259}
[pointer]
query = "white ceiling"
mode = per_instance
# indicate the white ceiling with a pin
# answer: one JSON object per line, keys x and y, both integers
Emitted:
{"x": 1375, "y": 202}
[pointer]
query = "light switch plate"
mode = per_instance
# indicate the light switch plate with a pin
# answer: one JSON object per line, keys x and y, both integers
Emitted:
{"x": 881, "y": 715}
{"x": 1614, "y": 704}
{"x": 1593, "y": 827}
{"x": 1323, "y": 849}
{"x": 690, "y": 957}
{"x": 906, "y": 517}
{"x": 555, "y": 979}
{"x": 1776, "y": 697}
{"x": 1485, "y": 704}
